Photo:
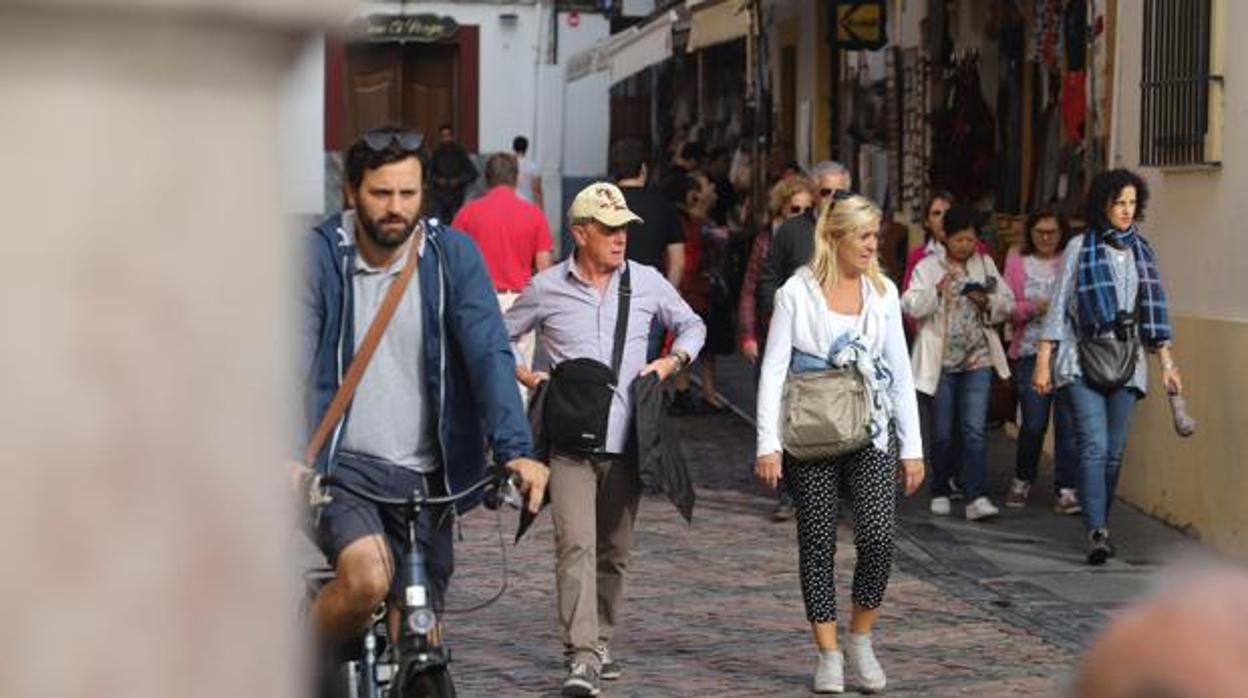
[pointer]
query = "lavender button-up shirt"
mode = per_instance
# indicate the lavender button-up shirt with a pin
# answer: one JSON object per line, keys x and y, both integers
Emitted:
{"x": 578, "y": 321}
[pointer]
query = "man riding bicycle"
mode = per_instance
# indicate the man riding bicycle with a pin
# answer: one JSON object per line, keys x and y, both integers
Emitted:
{"x": 439, "y": 389}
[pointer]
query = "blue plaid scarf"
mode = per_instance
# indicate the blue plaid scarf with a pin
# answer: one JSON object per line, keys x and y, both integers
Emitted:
{"x": 1098, "y": 299}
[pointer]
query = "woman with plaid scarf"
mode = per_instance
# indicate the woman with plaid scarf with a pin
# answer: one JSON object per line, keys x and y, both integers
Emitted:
{"x": 1109, "y": 280}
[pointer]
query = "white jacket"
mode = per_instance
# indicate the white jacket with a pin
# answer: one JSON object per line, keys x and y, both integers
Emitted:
{"x": 801, "y": 320}
{"x": 923, "y": 303}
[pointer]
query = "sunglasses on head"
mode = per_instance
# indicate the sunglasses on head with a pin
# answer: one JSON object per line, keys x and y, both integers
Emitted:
{"x": 380, "y": 139}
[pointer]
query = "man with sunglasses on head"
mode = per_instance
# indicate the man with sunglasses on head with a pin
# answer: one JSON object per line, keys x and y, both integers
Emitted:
{"x": 794, "y": 242}
{"x": 438, "y": 390}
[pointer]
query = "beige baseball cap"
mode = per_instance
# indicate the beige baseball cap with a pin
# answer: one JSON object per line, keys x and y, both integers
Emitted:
{"x": 603, "y": 202}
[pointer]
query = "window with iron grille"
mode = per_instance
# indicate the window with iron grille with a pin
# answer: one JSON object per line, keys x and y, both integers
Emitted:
{"x": 1177, "y": 86}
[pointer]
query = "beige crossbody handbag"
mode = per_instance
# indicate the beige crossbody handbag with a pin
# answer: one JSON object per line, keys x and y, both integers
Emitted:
{"x": 825, "y": 413}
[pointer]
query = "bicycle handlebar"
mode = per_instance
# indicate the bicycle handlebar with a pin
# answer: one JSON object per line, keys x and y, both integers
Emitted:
{"x": 506, "y": 483}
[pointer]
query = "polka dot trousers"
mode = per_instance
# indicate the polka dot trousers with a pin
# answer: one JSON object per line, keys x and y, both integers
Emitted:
{"x": 815, "y": 487}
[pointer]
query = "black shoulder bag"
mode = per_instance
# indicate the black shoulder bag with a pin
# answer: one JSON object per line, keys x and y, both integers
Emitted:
{"x": 1109, "y": 362}
{"x": 579, "y": 395}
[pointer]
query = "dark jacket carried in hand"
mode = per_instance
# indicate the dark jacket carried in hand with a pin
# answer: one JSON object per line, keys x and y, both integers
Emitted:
{"x": 660, "y": 462}
{"x": 469, "y": 366}
{"x": 792, "y": 246}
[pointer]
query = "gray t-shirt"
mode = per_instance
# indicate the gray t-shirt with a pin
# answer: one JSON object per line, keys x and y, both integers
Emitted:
{"x": 389, "y": 418}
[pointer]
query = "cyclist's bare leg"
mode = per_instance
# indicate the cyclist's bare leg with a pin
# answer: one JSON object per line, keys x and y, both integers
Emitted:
{"x": 361, "y": 582}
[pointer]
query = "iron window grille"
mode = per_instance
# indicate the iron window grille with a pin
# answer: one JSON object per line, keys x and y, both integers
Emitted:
{"x": 1177, "y": 87}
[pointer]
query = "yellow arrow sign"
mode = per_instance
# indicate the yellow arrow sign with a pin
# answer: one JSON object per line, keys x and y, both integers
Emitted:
{"x": 860, "y": 23}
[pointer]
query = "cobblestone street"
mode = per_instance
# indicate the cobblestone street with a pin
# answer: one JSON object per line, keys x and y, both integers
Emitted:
{"x": 715, "y": 609}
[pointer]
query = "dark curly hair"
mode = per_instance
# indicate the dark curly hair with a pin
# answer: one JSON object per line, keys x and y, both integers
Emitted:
{"x": 1106, "y": 187}
{"x": 361, "y": 158}
{"x": 1029, "y": 247}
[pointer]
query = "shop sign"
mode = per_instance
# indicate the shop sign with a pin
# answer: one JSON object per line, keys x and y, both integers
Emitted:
{"x": 425, "y": 28}
{"x": 859, "y": 25}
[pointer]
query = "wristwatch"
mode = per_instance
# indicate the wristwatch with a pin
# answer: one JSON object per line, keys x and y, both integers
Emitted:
{"x": 682, "y": 358}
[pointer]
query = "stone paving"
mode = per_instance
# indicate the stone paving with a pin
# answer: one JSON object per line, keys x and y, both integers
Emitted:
{"x": 714, "y": 608}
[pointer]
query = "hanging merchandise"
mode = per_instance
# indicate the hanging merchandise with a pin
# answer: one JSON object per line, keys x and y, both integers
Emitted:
{"x": 964, "y": 137}
{"x": 915, "y": 145}
{"x": 1011, "y": 33}
{"x": 1046, "y": 33}
{"x": 1074, "y": 104}
{"x": 939, "y": 45}
{"x": 1075, "y": 35}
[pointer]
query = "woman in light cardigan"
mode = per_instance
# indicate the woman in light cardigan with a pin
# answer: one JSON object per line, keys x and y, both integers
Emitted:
{"x": 840, "y": 311}
{"x": 958, "y": 299}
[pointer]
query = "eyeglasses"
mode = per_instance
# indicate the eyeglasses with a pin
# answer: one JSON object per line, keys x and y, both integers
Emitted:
{"x": 799, "y": 210}
{"x": 380, "y": 139}
{"x": 1046, "y": 231}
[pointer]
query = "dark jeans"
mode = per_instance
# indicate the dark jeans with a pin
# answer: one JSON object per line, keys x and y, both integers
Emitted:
{"x": 1101, "y": 418}
{"x": 1036, "y": 409}
{"x": 961, "y": 408}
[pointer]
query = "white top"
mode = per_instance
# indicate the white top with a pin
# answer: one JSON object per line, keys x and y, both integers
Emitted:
{"x": 802, "y": 320}
{"x": 524, "y": 183}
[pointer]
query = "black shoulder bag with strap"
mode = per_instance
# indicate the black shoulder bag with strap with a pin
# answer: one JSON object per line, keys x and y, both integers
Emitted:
{"x": 1108, "y": 362}
{"x": 578, "y": 398}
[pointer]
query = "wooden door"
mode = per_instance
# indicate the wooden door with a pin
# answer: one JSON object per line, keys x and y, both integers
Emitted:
{"x": 430, "y": 92}
{"x": 408, "y": 85}
{"x": 374, "y": 82}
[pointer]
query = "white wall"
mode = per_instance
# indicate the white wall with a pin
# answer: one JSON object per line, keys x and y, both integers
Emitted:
{"x": 1195, "y": 219}
{"x": 809, "y": 34}
{"x": 587, "y": 102}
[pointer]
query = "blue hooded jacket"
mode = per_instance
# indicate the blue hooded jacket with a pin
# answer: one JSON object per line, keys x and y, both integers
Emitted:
{"x": 469, "y": 367}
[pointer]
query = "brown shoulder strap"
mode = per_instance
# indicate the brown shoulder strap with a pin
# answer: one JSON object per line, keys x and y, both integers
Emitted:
{"x": 363, "y": 355}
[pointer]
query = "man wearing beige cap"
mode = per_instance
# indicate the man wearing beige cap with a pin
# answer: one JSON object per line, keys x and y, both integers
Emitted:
{"x": 594, "y": 484}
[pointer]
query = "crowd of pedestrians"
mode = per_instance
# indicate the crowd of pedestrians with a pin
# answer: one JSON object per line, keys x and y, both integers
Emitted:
{"x": 863, "y": 380}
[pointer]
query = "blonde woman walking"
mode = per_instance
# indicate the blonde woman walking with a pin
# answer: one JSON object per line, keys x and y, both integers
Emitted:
{"x": 840, "y": 311}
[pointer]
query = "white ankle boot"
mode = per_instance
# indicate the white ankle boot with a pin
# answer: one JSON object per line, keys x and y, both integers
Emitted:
{"x": 830, "y": 674}
{"x": 864, "y": 668}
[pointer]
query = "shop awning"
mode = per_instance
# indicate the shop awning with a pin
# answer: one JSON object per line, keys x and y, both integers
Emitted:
{"x": 715, "y": 22}
{"x": 627, "y": 52}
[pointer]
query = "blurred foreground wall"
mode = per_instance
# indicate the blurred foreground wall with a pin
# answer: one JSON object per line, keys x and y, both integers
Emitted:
{"x": 145, "y": 313}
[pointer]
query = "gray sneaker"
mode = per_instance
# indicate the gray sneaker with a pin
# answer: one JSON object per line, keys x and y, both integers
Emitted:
{"x": 582, "y": 678}
{"x": 610, "y": 669}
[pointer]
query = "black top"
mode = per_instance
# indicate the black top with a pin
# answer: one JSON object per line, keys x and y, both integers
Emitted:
{"x": 648, "y": 241}
{"x": 792, "y": 246}
{"x": 451, "y": 167}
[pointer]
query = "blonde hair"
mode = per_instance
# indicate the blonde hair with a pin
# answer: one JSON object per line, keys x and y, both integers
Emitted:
{"x": 784, "y": 190}
{"x": 839, "y": 218}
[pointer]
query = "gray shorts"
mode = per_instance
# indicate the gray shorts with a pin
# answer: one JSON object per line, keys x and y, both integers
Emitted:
{"x": 348, "y": 518}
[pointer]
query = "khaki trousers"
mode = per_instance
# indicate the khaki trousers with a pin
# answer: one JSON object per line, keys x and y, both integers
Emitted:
{"x": 594, "y": 505}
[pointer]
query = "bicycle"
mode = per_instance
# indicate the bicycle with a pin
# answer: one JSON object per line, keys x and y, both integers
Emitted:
{"x": 420, "y": 669}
